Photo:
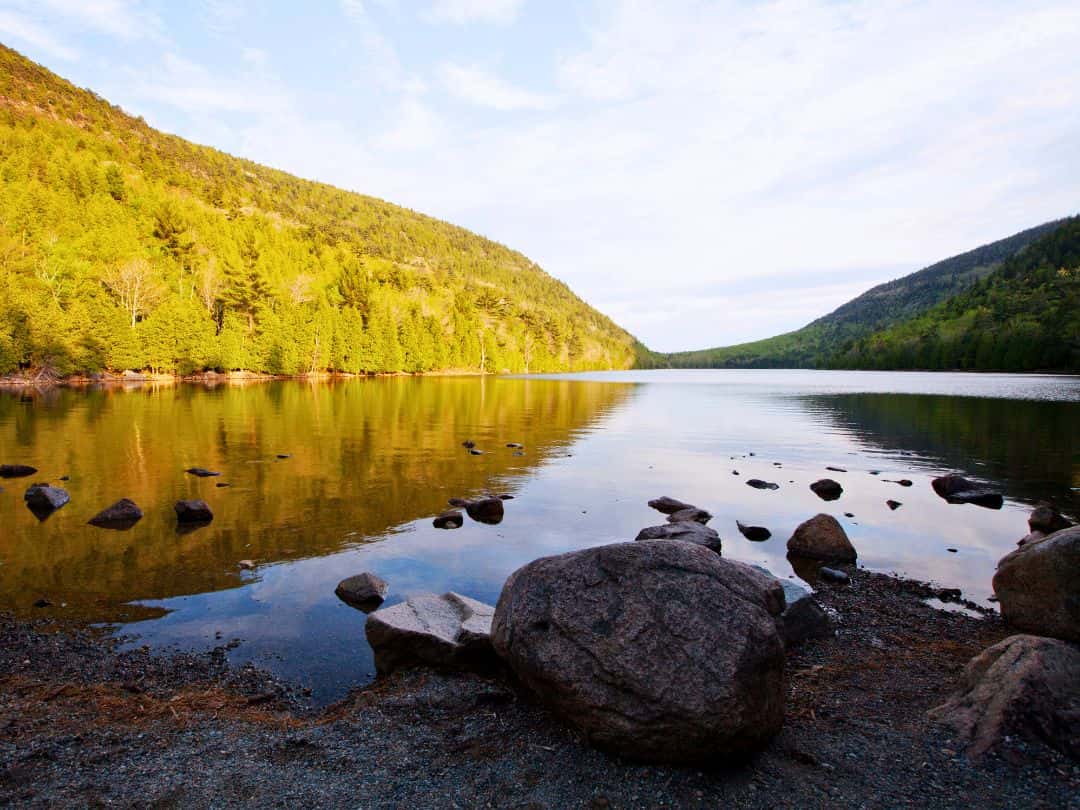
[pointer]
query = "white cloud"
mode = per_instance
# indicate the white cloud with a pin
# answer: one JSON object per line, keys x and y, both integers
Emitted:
{"x": 124, "y": 19}
{"x": 17, "y": 26}
{"x": 500, "y": 12}
{"x": 474, "y": 85}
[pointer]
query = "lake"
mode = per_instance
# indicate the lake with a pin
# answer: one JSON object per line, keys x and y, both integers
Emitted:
{"x": 371, "y": 461}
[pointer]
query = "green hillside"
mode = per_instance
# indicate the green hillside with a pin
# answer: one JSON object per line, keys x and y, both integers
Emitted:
{"x": 1025, "y": 316}
{"x": 123, "y": 247}
{"x": 819, "y": 343}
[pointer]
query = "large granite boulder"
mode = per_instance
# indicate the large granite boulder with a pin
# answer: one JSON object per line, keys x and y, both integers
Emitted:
{"x": 822, "y": 538}
{"x": 449, "y": 631}
{"x": 1038, "y": 585}
{"x": 957, "y": 489}
{"x": 1024, "y": 686}
{"x": 365, "y": 591}
{"x": 658, "y": 651}
{"x": 689, "y": 531}
{"x": 121, "y": 515}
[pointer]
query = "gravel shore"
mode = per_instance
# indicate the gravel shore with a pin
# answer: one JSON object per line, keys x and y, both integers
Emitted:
{"x": 84, "y": 725}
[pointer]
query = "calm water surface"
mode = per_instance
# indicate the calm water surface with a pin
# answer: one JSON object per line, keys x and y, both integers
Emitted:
{"x": 372, "y": 461}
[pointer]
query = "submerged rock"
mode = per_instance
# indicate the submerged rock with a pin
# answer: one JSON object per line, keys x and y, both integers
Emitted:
{"x": 1038, "y": 585}
{"x": 193, "y": 511}
{"x": 822, "y": 538}
{"x": 365, "y": 591}
{"x": 1024, "y": 686}
{"x": 121, "y": 515}
{"x": 201, "y": 472}
{"x": 669, "y": 506}
{"x": 757, "y": 483}
{"x": 827, "y": 489}
{"x": 451, "y": 631}
{"x": 693, "y": 513}
{"x": 957, "y": 489}
{"x": 16, "y": 470}
{"x": 688, "y": 531}
{"x": 451, "y": 519}
{"x": 657, "y": 651}
{"x": 757, "y": 534}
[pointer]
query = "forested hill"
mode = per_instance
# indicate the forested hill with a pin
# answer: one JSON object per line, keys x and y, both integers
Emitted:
{"x": 819, "y": 343}
{"x": 125, "y": 248}
{"x": 1025, "y": 316}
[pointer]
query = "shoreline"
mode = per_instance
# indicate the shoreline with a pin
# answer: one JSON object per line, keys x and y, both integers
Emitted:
{"x": 86, "y": 724}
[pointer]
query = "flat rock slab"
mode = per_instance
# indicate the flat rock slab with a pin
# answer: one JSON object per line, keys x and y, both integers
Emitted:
{"x": 688, "y": 531}
{"x": 957, "y": 489}
{"x": 1024, "y": 686}
{"x": 192, "y": 512}
{"x": 449, "y": 631}
{"x": 365, "y": 591}
{"x": 1038, "y": 585}
{"x": 757, "y": 483}
{"x": 669, "y": 505}
{"x": 657, "y": 651}
{"x": 121, "y": 515}
{"x": 821, "y": 538}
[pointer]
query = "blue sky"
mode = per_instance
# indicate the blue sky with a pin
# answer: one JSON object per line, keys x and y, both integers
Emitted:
{"x": 704, "y": 172}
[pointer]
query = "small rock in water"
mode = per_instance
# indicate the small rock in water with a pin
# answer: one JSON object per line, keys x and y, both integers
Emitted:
{"x": 875, "y": 472}
{"x": 246, "y": 565}
{"x": 757, "y": 534}
{"x": 836, "y": 469}
{"x": 365, "y": 591}
{"x": 951, "y": 550}
{"x": 474, "y": 452}
{"x": 284, "y": 455}
{"x": 904, "y": 482}
{"x": 827, "y": 489}
{"x": 451, "y": 519}
{"x": 193, "y": 512}
{"x": 832, "y": 575}
{"x": 757, "y": 483}
{"x": 894, "y": 505}
{"x": 16, "y": 470}
{"x": 849, "y": 514}
{"x": 201, "y": 472}
{"x": 42, "y": 603}
{"x": 460, "y": 503}
{"x": 121, "y": 515}
{"x": 505, "y": 497}
{"x": 44, "y": 500}
{"x": 468, "y": 444}
{"x": 515, "y": 445}
{"x": 518, "y": 453}
{"x": 65, "y": 477}
{"x": 223, "y": 484}
{"x": 821, "y": 538}
{"x": 485, "y": 510}
{"x": 691, "y": 513}
{"x": 734, "y": 472}
{"x": 669, "y": 505}
{"x": 957, "y": 489}
{"x": 688, "y": 532}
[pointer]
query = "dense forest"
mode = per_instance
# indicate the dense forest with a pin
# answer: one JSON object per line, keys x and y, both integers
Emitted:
{"x": 1025, "y": 316}
{"x": 125, "y": 248}
{"x": 831, "y": 340}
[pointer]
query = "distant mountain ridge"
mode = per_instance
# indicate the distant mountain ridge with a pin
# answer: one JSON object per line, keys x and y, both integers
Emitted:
{"x": 122, "y": 247}
{"x": 820, "y": 343}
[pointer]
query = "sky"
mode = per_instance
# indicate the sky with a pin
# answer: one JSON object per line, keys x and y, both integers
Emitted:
{"x": 706, "y": 173}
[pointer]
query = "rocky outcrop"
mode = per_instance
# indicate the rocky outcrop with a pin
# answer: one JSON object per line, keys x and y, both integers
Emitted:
{"x": 43, "y": 500}
{"x": 658, "y": 651}
{"x": 449, "y": 631}
{"x": 688, "y": 531}
{"x": 365, "y": 591}
{"x": 16, "y": 470}
{"x": 957, "y": 489}
{"x": 121, "y": 515}
{"x": 691, "y": 514}
{"x": 1024, "y": 686}
{"x": 669, "y": 505}
{"x": 827, "y": 489}
{"x": 822, "y": 538}
{"x": 191, "y": 512}
{"x": 1038, "y": 585}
